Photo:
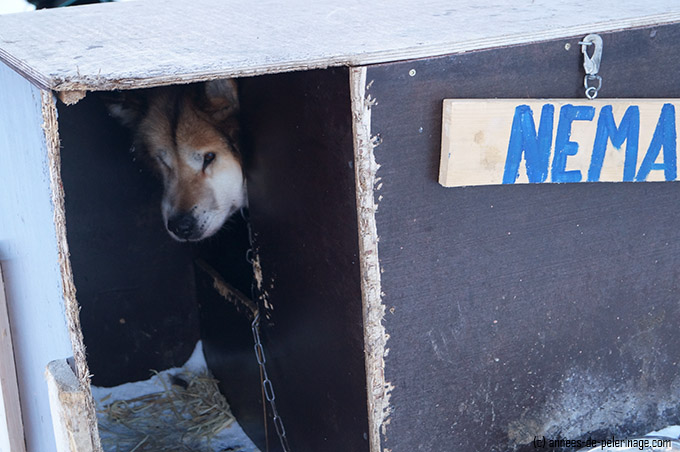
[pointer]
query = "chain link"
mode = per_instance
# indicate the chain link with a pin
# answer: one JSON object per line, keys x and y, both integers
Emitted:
{"x": 267, "y": 384}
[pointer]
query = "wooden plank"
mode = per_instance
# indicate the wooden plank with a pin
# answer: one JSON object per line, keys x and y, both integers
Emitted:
{"x": 515, "y": 311}
{"x": 11, "y": 425}
{"x": 509, "y": 141}
{"x": 69, "y": 407}
{"x": 28, "y": 251}
{"x": 112, "y": 46}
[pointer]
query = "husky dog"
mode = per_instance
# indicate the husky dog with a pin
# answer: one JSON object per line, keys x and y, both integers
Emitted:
{"x": 189, "y": 135}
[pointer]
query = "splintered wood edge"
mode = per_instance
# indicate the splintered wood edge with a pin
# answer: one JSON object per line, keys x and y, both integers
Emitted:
{"x": 8, "y": 379}
{"x": 375, "y": 336}
{"x": 71, "y": 308}
{"x": 71, "y": 97}
{"x": 69, "y": 407}
{"x": 230, "y": 293}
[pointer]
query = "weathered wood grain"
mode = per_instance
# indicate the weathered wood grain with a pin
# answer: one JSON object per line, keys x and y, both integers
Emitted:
{"x": 69, "y": 407}
{"x": 11, "y": 425}
{"x": 137, "y": 44}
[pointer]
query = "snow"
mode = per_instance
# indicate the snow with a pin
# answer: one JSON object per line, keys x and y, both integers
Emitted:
{"x": 15, "y": 6}
{"x": 672, "y": 431}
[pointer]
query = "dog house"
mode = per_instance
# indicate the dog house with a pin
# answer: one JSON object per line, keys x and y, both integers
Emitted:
{"x": 397, "y": 314}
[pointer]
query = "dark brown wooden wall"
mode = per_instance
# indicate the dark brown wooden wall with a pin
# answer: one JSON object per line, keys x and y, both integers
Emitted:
{"x": 303, "y": 211}
{"x": 523, "y": 311}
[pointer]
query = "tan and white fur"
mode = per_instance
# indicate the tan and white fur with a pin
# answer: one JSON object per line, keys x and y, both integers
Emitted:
{"x": 189, "y": 135}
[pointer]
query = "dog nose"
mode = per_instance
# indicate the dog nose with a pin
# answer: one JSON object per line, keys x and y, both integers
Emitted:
{"x": 182, "y": 225}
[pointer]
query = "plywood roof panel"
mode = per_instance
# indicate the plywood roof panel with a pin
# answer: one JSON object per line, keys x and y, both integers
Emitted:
{"x": 156, "y": 42}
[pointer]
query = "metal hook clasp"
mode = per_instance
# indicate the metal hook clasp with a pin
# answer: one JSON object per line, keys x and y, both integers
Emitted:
{"x": 592, "y": 64}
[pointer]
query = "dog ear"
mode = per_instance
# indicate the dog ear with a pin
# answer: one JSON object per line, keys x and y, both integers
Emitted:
{"x": 126, "y": 107}
{"x": 220, "y": 99}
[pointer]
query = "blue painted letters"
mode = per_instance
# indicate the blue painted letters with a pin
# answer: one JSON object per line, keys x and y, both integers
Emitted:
{"x": 535, "y": 148}
{"x": 664, "y": 136}
{"x": 629, "y": 130}
{"x": 564, "y": 147}
{"x": 524, "y": 140}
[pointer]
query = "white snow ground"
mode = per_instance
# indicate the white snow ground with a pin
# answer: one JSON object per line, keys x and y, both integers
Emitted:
{"x": 15, "y": 6}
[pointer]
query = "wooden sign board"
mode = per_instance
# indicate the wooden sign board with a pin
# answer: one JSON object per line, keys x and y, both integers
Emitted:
{"x": 510, "y": 141}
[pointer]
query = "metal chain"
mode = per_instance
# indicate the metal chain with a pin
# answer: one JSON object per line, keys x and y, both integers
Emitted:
{"x": 267, "y": 385}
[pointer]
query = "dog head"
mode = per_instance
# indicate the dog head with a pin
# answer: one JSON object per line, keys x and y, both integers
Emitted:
{"x": 189, "y": 136}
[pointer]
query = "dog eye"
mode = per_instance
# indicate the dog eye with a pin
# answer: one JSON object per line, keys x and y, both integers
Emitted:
{"x": 162, "y": 161}
{"x": 208, "y": 159}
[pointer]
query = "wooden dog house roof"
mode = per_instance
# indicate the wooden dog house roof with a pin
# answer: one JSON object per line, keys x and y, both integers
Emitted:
{"x": 158, "y": 42}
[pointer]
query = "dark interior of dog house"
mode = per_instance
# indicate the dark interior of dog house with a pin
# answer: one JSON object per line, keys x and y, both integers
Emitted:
{"x": 145, "y": 302}
{"x": 146, "y": 299}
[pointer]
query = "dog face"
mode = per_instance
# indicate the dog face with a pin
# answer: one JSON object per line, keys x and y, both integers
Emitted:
{"x": 189, "y": 135}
